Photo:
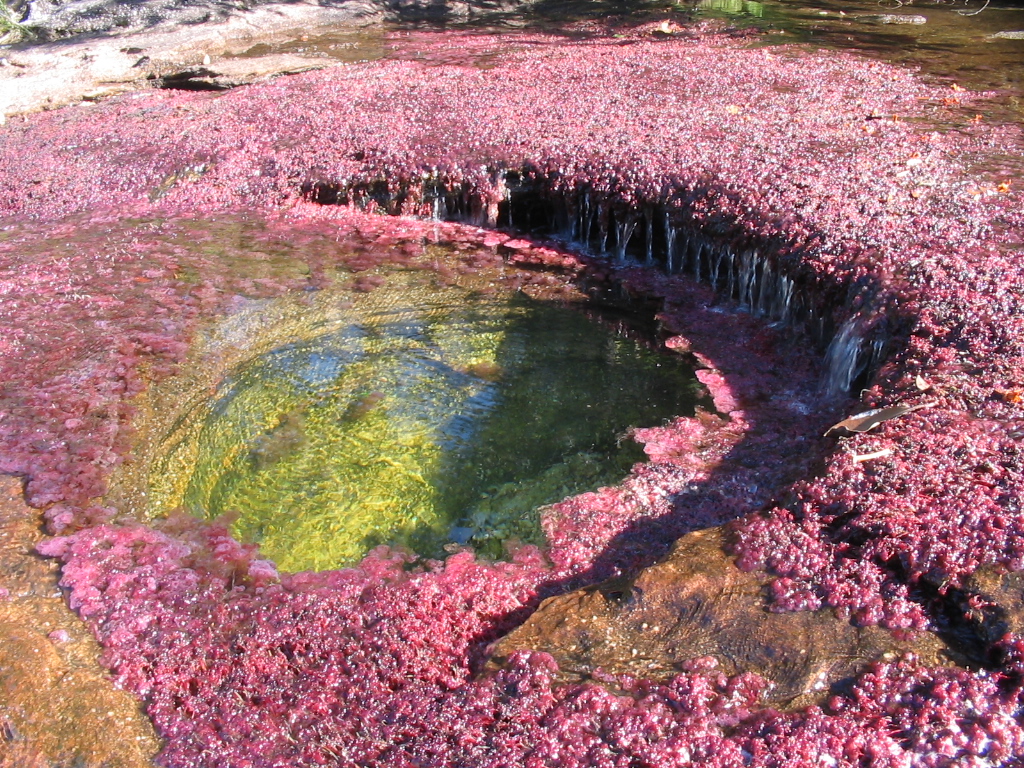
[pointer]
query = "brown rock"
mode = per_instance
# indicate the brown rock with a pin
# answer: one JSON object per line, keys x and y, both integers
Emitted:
{"x": 57, "y": 704}
{"x": 696, "y": 609}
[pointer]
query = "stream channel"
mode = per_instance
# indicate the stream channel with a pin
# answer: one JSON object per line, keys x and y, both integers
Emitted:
{"x": 315, "y": 473}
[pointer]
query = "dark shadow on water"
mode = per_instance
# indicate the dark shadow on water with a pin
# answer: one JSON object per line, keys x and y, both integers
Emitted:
{"x": 550, "y": 422}
{"x": 778, "y": 449}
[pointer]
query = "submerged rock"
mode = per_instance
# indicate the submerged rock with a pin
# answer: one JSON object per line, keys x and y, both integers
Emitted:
{"x": 697, "y": 611}
{"x": 994, "y": 600}
{"x": 896, "y": 18}
{"x": 57, "y": 706}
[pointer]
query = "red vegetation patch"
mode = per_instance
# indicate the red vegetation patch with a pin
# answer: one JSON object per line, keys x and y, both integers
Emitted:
{"x": 800, "y": 158}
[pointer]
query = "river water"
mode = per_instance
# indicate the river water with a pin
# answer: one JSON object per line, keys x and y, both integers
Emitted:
{"x": 973, "y": 43}
{"x": 373, "y": 662}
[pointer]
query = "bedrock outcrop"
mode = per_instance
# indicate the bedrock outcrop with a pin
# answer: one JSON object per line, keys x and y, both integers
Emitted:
{"x": 241, "y": 46}
{"x": 53, "y": 20}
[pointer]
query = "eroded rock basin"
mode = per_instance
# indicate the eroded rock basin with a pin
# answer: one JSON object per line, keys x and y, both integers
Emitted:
{"x": 429, "y": 405}
{"x": 827, "y": 216}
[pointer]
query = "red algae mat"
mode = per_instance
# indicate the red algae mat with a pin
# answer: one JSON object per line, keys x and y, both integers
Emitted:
{"x": 832, "y": 169}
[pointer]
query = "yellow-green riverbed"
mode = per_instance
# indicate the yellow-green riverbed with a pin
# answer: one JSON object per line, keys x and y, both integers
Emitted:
{"x": 426, "y": 414}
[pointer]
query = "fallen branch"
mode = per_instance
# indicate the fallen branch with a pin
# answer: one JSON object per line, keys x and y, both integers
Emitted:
{"x": 859, "y": 457}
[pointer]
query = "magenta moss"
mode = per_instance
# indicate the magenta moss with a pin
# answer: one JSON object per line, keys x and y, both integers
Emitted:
{"x": 113, "y": 251}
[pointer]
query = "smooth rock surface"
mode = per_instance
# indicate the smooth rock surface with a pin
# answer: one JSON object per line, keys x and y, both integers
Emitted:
{"x": 34, "y": 77}
{"x": 54, "y": 19}
{"x": 59, "y": 19}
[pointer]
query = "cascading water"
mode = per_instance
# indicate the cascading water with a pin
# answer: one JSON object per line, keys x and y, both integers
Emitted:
{"x": 745, "y": 275}
{"x": 843, "y": 359}
{"x": 649, "y": 235}
{"x": 671, "y": 235}
{"x": 623, "y": 233}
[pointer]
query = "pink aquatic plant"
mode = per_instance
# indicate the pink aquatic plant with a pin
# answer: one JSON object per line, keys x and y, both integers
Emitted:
{"x": 803, "y": 187}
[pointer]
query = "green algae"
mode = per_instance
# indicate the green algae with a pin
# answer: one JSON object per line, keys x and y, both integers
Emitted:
{"x": 421, "y": 414}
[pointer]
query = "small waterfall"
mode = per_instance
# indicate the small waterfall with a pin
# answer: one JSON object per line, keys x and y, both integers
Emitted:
{"x": 508, "y": 202}
{"x": 586, "y": 219}
{"x": 730, "y": 273}
{"x": 602, "y": 227}
{"x": 764, "y": 290}
{"x": 623, "y": 232}
{"x": 682, "y": 249}
{"x": 671, "y": 234}
{"x": 843, "y": 359}
{"x": 783, "y": 297}
{"x": 877, "y": 356}
{"x": 649, "y": 233}
{"x": 569, "y": 217}
{"x": 747, "y": 270}
{"x": 716, "y": 266}
{"x": 581, "y": 215}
